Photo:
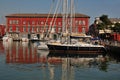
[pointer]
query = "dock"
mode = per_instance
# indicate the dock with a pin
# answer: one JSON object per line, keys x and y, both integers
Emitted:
{"x": 113, "y": 47}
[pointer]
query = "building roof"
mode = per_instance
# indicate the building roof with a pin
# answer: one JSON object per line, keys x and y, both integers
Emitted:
{"x": 115, "y": 20}
{"x": 43, "y": 15}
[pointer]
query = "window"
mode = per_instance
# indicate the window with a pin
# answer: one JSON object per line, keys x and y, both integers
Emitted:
{"x": 53, "y": 30}
{"x": 50, "y": 23}
{"x": 10, "y": 21}
{"x": 42, "y": 22}
{"x": 81, "y": 22}
{"x": 14, "y": 22}
{"x": 17, "y": 21}
{"x": 42, "y": 28}
{"x": 32, "y": 29}
{"x": 76, "y": 28}
{"x": 10, "y": 28}
{"x": 37, "y": 29}
{"x": 59, "y": 30}
{"x": 28, "y": 22}
{"x": 29, "y": 28}
{"x": 38, "y": 22}
{"x": 24, "y": 29}
{"x": 33, "y": 22}
{"x": 83, "y": 29}
{"x": 17, "y": 29}
{"x": 24, "y": 22}
{"x": 59, "y": 23}
{"x": 76, "y": 22}
{"x": 47, "y": 26}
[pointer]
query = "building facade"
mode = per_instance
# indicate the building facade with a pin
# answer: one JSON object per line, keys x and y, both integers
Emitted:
{"x": 116, "y": 35}
{"x": 2, "y": 30}
{"x": 18, "y": 24}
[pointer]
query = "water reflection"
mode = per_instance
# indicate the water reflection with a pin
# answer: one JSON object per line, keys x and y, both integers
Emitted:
{"x": 25, "y": 59}
{"x": 24, "y": 52}
{"x": 114, "y": 56}
{"x": 1, "y": 48}
{"x": 51, "y": 63}
{"x": 81, "y": 60}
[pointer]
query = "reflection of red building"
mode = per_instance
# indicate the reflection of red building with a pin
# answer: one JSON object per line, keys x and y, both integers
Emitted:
{"x": 35, "y": 23}
{"x": 19, "y": 53}
{"x": 2, "y": 30}
{"x": 29, "y": 58}
{"x": 1, "y": 47}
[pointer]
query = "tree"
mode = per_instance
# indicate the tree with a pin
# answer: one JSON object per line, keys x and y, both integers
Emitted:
{"x": 105, "y": 20}
{"x": 93, "y": 30}
{"x": 105, "y": 24}
{"x": 101, "y": 26}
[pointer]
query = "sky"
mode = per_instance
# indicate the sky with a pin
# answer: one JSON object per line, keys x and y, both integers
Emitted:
{"x": 92, "y": 8}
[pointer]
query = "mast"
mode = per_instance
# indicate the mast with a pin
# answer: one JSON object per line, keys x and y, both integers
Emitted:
{"x": 71, "y": 19}
{"x": 64, "y": 20}
{"x": 71, "y": 15}
{"x": 63, "y": 16}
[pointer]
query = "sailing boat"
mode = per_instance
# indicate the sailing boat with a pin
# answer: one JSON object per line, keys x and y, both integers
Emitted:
{"x": 73, "y": 42}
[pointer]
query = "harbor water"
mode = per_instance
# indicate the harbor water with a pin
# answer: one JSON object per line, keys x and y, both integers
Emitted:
{"x": 23, "y": 61}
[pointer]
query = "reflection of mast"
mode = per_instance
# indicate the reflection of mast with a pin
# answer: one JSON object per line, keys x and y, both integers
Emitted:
{"x": 64, "y": 69}
{"x": 17, "y": 49}
{"x": 67, "y": 69}
{"x": 51, "y": 62}
{"x": 51, "y": 69}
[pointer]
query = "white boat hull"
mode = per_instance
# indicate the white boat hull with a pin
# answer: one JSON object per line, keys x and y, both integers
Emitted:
{"x": 7, "y": 39}
{"x": 43, "y": 46}
{"x": 25, "y": 39}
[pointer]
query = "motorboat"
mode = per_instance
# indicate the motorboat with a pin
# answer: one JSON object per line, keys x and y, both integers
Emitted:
{"x": 34, "y": 37}
{"x": 7, "y": 38}
{"x": 24, "y": 38}
{"x": 43, "y": 46}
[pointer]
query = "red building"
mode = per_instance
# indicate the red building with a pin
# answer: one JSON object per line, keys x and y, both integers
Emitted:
{"x": 18, "y": 24}
{"x": 116, "y": 36}
{"x": 2, "y": 30}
